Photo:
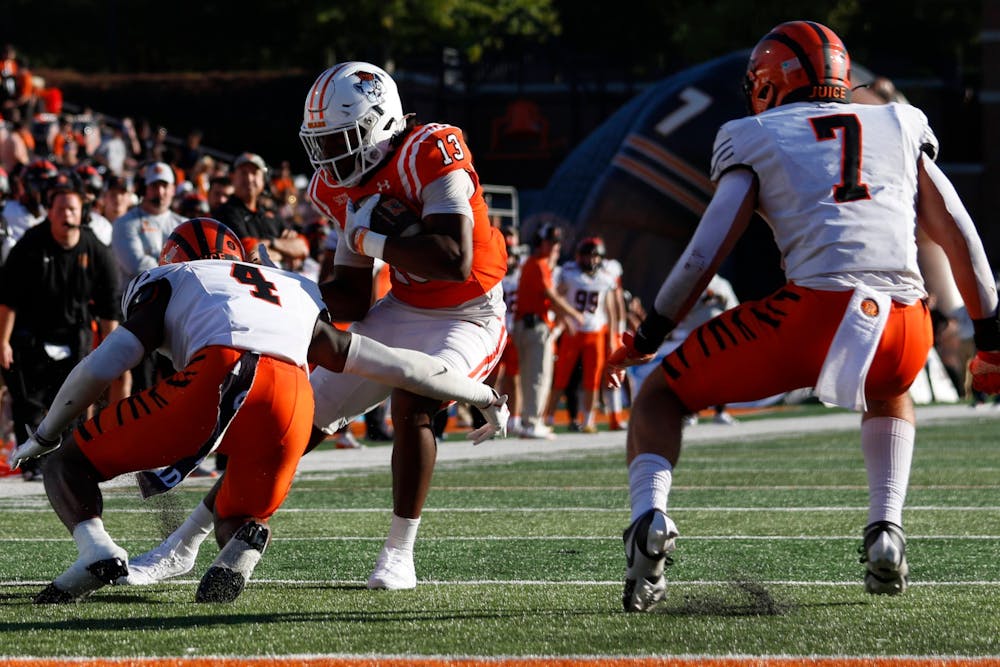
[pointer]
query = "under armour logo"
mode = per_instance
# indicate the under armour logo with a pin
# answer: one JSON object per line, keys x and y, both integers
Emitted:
{"x": 383, "y": 185}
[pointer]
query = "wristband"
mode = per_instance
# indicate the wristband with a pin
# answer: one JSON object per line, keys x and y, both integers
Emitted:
{"x": 370, "y": 243}
{"x": 986, "y": 333}
{"x": 43, "y": 441}
{"x": 651, "y": 333}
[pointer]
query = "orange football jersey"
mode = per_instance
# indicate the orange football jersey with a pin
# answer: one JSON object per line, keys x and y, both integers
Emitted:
{"x": 427, "y": 153}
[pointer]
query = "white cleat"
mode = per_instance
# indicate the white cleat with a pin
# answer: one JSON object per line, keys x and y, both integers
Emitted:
{"x": 83, "y": 578}
{"x": 884, "y": 556}
{"x": 231, "y": 569}
{"x": 163, "y": 562}
{"x": 648, "y": 544}
{"x": 394, "y": 571}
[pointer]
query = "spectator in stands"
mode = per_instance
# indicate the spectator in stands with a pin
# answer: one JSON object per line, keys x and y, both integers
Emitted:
{"x": 14, "y": 150}
{"x": 16, "y": 86}
{"x": 112, "y": 150}
{"x": 66, "y": 141}
{"x": 192, "y": 151}
{"x": 92, "y": 186}
{"x": 27, "y": 210}
{"x": 137, "y": 239}
{"x": 220, "y": 189}
{"x": 533, "y": 325}
{"x": 117, "y": 197}
{"x": 243, "y": 214}
{"x": 55, "y": 281}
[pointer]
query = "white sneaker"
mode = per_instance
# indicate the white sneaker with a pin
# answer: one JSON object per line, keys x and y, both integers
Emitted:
{"x": 648, "y": 544}
{"x": 537, "y": 431}
{"x": 394, "y": 571}
{"x": 690, "y": 420}
{"x": 884, "y": 556}
{"x": 724, "y": 418}
{"x": 163, "y": 562}
{"x": 83, "y": 578}
{"x": 346, "y": 440}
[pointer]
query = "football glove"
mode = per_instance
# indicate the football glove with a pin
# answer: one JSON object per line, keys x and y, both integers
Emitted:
{"x": 34, "y": 447}
{"x": 985, "y": 370}
{"x": 358, "y": 222}
{"x": 622, "y": 358}
{"x": 496, "y": 413}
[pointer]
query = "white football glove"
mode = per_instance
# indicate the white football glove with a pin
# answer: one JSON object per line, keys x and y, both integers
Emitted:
{"x": 34, "y": 447}
{"x": 358, "y": 222}
{"x": 496, "y": 413}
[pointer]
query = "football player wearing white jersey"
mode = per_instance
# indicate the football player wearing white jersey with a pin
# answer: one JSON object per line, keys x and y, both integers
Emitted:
{"x": 243, "y": 336}
{"x": 589, "y": 290}
{"x": 843, "y": 187}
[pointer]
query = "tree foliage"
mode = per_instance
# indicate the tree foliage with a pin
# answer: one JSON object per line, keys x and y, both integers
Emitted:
{"x": 642, "y": 39}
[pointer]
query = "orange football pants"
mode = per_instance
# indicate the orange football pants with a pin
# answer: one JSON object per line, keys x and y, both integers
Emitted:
{"x": 779, "y": 343}
{"x": 174, "y": 417}
{"x": 586, "y": 346}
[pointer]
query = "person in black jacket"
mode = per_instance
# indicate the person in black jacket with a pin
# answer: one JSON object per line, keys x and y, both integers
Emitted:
{"x": 56, "y": 280}
{"x": 244, "y": 214}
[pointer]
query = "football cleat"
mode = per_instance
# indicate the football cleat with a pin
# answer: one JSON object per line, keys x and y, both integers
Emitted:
{"x": 163, "y": 562}
{"x": 345, "y": 440}
{"x": 884, "y": 556}
{"x": 231, "y": 569}
{"x": 81, "y": 579}
{"x": 648, "y": 544}
{"x": 394, "y": 571}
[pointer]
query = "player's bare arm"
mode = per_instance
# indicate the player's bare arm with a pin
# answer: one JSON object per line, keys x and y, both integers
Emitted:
{"x": 442, "y": 251}
{"x": 348, "y": 293}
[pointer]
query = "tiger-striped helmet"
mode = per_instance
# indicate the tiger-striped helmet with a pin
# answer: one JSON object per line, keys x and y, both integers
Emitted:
{"x": 797, "y": 61}
{"x": 201, "y": 238}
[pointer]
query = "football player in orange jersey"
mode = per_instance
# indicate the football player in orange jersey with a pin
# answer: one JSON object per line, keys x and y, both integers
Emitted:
{"x": 843, "y": 187}
{"x": 446, "y": 299}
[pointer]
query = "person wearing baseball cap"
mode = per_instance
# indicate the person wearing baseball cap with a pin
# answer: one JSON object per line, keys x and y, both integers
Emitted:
{"x": 244, "y": 214}
{"x": 137, "y": 238}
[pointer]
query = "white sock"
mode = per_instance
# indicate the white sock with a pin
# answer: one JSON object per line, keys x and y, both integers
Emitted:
{"x": 613, "y": 399}
{"x": 402, "y": 533}
{"x": 93, "y": 541}
{"x": 190, "y": 534}
{"x": 887, "y": 445}
{"x": 649, "y": 477}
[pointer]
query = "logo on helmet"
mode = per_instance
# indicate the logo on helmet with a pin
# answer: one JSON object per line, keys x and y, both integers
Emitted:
{"x": 370, "y": 86}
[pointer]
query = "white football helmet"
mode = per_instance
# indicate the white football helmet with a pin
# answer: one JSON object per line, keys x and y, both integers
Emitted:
{"x": 351, "y": 113}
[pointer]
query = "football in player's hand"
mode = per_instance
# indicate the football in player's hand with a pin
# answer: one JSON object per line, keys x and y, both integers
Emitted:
{"x": 393, "y": 217}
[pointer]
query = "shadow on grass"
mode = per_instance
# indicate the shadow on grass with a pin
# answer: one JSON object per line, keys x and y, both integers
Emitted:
{"x": 742, "y": 598}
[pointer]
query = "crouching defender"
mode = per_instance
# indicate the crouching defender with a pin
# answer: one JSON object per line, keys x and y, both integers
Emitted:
{"x": 242, "y": 335}
{"x": 842, "y": 186}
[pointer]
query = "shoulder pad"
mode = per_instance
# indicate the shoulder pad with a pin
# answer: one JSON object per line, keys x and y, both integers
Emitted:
{"x": 143, "y": 291}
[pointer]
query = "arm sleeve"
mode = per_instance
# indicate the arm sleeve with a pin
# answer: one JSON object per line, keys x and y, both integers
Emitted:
{"x": 973, "y": 273}
{"x": 449, "y": 194}
{"x": 720, "y": 227}
{"x": 413, "y": 371}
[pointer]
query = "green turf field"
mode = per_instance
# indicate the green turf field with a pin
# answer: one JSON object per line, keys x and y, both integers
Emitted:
{"x": 525, "y": 558}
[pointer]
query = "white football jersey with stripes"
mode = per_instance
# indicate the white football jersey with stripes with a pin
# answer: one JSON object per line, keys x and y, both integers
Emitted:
{"x": 234, "y": 304}
{"x": 588, "y": 293}
{"x": 835, "y": 187}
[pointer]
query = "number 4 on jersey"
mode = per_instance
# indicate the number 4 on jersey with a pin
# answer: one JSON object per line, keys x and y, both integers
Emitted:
{"x": 247, "y": 274}
{"x": 850, "y": 187}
